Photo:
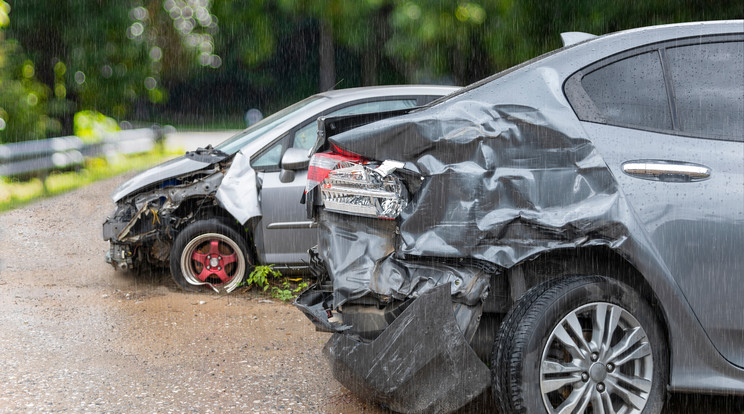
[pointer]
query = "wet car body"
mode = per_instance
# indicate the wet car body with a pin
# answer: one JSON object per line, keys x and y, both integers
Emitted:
{"x": 582, "y": 212}
{"x": 214, "y": 212}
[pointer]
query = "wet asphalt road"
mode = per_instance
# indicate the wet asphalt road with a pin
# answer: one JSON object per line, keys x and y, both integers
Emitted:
{"x": 77, "y": 336}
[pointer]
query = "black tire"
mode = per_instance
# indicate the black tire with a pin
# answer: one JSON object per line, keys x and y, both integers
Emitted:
{"x": 199, "y": 253}
{"x": 535, "y": 372}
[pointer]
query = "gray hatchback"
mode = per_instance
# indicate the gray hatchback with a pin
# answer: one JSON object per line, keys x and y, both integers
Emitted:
{"x": 575, "y": 222}
{"x": 214, "y": 212}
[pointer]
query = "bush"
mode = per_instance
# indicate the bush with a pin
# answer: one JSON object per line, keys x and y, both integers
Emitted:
{"x": 92, "y": 126}
{"x": 263, "y": 276}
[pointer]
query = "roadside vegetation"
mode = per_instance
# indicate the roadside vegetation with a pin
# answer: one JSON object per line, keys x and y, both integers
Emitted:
{"x": 270, "y": 281}
{"x": 194, "y": 62}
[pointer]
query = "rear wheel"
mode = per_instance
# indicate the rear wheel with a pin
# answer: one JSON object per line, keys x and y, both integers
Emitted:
{"x": 585, "y": 344}
{"x": 209, "y": 254}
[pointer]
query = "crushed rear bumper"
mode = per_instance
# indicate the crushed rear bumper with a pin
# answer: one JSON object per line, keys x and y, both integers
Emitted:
{"x": 420, "y": 363}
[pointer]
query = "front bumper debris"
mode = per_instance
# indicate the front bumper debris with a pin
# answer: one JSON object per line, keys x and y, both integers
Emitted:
{"x": 420, "y": 363}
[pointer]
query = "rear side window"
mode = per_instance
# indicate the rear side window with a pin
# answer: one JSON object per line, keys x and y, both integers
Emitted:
{"x": 708, "y": 82}
{"x": 690, "y": 87}
{"x": 630, "y": 92}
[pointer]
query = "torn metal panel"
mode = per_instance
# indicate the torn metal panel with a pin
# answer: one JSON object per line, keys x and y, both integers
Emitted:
{"x": 174, "y": 168}
{"x": 494, "y": 184}
{"x": 420, "y": 364}
{"x": 501, "y": 182}
{"x": 359, "y": 254}
{"x": 157, "y": 206}
{"x": 239, "y": 191}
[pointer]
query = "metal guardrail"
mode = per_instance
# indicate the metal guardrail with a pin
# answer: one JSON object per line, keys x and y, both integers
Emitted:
{"x": 46, "y": 155}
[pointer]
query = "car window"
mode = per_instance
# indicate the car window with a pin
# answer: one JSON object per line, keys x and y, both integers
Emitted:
{"x": 708, "y": 81}
{"x": 257, "y": 130}
{"x": 631, "y": 92}
{"x": 305, "y": 137}
{"x": 271, "y": 157}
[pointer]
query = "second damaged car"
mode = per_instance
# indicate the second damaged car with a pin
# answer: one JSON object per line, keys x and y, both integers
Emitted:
{"x": 567, "y": 232}
{"x": 215, "y": 212}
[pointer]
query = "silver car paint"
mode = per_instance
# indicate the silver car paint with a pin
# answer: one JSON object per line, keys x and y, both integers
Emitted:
{"x": 702, "y": 352}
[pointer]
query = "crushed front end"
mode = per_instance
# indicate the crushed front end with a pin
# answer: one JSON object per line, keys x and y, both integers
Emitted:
{"x": 402, "y": 325}
{"x": 142, "y": 227}
{"x": 154, "y": 206}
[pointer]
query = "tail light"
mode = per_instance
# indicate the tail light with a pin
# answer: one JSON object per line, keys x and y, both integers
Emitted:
{"x": 351, "y": 186}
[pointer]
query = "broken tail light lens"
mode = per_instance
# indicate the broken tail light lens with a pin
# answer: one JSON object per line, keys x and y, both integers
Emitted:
{"x": 350, "y": 186}
{"x": 321, "y": 164}
{"x": 363, "y": 191}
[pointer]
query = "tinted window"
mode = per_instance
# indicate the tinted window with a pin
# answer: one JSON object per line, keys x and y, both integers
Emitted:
{"x": 708, "y": 82}
{"x": 631, "y": 92}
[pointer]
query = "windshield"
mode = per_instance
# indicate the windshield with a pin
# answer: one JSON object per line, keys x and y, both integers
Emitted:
{"x": 235, "y": 143}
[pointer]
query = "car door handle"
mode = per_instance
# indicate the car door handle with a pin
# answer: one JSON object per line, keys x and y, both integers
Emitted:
{"x": 670, "y": 171}
{"x": 292, "y": 225}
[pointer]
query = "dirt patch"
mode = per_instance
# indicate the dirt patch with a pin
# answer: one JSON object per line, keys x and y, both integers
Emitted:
{"x": 80, "y": 336}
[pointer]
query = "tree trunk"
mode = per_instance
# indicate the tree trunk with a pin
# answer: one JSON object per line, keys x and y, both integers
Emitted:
{"x": 327, "y": 57}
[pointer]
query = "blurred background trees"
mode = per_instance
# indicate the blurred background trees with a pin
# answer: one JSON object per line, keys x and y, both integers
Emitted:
{"x": 203, "y": 63}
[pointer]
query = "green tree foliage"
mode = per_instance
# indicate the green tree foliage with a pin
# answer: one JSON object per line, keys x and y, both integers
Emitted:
{"x": 438, "y": 40}
{"x": 85, "y": 53}
{"x": 117, "y": 57}
{"x": 529, "y": 28}
{"x": 193, "y": 60}
{"x": 467, "y": 40}
{"x": 22, "y": 98}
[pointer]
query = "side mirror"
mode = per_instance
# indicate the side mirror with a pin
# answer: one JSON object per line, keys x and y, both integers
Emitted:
{"x": 295, "y": 159}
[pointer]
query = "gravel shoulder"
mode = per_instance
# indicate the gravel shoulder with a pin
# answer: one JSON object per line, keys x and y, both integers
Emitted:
{"x": 79, "y": 336}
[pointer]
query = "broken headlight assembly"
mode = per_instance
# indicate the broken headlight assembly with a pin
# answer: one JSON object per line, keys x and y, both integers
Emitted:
{"x": 351, "y": 186}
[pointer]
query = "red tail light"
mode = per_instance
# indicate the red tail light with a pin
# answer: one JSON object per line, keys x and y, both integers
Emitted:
{"x": 322, "y": 163}
{"x": 338, "y": 150}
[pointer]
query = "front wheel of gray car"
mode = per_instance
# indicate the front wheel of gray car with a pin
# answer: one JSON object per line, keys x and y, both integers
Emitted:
{"x": 209, "y": 254}
{"x": 583, "y": 344}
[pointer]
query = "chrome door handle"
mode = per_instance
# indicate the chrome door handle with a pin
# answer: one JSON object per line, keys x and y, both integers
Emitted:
{"x": 293, "y": 225}
{"x": 672, "y": 171}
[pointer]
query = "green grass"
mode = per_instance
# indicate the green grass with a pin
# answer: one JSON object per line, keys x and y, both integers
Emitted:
{"x": 17, "y": 193}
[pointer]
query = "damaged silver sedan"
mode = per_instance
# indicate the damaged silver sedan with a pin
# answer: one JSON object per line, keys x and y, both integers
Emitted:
{"x": 567, "y": 232}
{"x": 215, "y": 212}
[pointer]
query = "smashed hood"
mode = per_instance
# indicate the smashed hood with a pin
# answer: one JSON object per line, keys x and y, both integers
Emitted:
{"x": 190, "y": 162}
{"x": 165, "y": 171}
{"x": 502, "y": 181}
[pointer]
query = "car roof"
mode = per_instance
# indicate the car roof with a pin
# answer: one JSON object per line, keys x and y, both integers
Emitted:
{"x": 388, "y": 90}
{"x": 631, "y": 38}
{"x": 577, "y": 55}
